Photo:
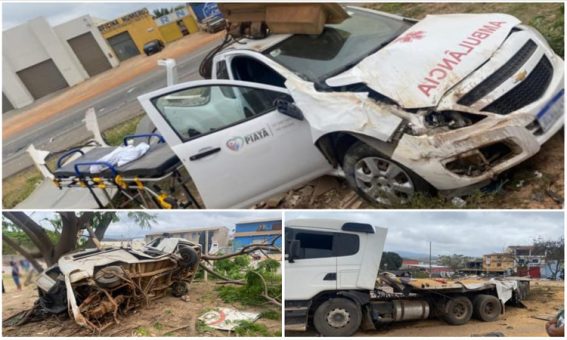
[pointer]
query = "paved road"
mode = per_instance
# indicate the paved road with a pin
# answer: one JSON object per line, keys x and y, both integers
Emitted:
{"x": 112, "y": 108}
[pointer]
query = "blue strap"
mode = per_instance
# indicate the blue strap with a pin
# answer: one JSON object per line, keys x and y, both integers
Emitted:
{"x": 108, "y": 165}
{"x": 143, "y": 135}
{"x": 67, "y": 154}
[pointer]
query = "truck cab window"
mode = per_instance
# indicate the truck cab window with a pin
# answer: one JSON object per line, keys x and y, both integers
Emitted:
{"x": 250, "y": 69}
{"x": 222, "y": 71}
{"x": 314, "y": 245}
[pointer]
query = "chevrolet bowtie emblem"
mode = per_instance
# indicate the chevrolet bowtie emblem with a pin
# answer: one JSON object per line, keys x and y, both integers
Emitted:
{"x": 520, "y": 76}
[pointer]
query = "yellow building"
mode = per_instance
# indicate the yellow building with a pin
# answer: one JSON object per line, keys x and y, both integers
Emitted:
{"x": 497, "y": 262}
{"x": 176, "y": 25}
{"x": 128, "y": 34}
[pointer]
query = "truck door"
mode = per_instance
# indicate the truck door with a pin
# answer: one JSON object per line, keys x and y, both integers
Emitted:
{"x": 236, "y": 146}
{"x": 314, "y": 267}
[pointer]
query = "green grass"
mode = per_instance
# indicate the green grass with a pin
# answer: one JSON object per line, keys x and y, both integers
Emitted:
{"x": 202, "y": 328}
{"x": 247, "y": 328}
{"x": 18, "y": 187}
{"x": 271, "y": 314}
{"x": 142, "y": 331}
{"x": 547, "y": 18}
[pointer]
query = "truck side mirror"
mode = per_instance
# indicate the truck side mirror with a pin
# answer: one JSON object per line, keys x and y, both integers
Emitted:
{"x": 288, "y": 108}
{"x": 293, "y": 251}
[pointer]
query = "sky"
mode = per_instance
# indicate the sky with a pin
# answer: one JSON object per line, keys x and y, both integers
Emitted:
{"x": 126, "y": 228}
{"x": 468, "y": 233}
{"x": 14, "y": 14}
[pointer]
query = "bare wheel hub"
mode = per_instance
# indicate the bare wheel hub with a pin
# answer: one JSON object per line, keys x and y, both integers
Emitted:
{"x": 338, "y": 318}
{"x": 383, "y": 180}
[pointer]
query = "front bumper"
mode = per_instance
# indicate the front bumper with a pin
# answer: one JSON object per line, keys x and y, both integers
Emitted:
{"x": 430, "y": 156}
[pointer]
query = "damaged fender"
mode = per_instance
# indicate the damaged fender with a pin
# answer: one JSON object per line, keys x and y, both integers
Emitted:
{"x": 329, "y": 112}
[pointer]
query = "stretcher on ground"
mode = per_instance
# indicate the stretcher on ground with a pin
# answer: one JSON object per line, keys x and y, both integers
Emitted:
{"x": 150, "y": 181}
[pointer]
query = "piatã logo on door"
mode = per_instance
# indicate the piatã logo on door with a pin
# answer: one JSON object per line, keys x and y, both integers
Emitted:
{"x": 237, "y": 143}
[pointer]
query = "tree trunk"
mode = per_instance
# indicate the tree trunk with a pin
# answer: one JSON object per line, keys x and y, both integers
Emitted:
{"x": 36, "y": 234}
{"x": 30, "y": 257}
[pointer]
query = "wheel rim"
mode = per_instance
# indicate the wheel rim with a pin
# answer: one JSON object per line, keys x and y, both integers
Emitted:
{"x": 338, "y": 318}
{"x": 383, "y": 180}
{"x": 459, "y": 310}
{"x": 489, "y": 308}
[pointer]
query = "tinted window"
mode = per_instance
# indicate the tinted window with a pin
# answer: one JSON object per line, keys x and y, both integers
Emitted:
{"x": 315, "y": 244}
{"x": 222, "y": 71}
{"x": 339, "y": 47}
{"x": 202, "y": 110}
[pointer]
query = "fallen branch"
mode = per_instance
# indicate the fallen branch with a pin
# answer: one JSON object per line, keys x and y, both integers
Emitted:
{"x": 220, "y": 276}
{"x": 265, "y": 294}
{"x": 175, "y": 330}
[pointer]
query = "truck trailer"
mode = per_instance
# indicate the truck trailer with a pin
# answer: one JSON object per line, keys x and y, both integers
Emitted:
{"x": 333, "y": 284}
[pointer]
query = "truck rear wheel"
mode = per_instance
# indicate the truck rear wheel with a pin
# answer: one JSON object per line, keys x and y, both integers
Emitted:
{"x": 487, "y": 307}
{"x": 458, "y": 310}
{"x": 337, "y": 317}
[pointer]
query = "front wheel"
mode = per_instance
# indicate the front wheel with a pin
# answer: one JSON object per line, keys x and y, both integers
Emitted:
{"x": 337, "y": 317}
{"x": 379, "y": 179}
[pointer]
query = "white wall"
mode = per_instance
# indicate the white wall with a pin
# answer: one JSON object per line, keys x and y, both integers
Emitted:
{"x": 35, "y": 41}
{"x": 82, "y": 25}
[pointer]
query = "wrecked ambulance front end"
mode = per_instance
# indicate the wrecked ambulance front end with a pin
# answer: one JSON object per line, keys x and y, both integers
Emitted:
{"x": 96, "y": 287}
{"x": 481, "y": 93}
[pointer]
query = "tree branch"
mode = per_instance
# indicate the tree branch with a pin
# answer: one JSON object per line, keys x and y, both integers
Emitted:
{"x": 220, "y": 276}
{"x": 30, "y": 257}
{"x": 265, "y": 294}
{"x": 34, "y": 231}
{"x": 245, "y": 250}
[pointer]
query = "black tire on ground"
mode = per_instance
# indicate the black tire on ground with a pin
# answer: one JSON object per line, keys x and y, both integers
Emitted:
{"x": 109, "y": 277}
{"x": 179, "y": 288}
{"x": 458, "y": 310}
{"x": 189, "y": 256}
{"x": 487, "y": 307}
{"x": 360, "y": 150}
{"x": 346, "y": 315}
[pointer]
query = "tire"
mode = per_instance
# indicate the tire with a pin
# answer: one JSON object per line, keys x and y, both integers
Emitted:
{"x": 487, "y": 307}
{"x": 458, "y": 310}
{"x": 179, "y": 288}
{"x": 337, "y": 308}
{"x": 189, "y": 256}
{"x": 394, "y": 184}
{"x": 109, "y": 277}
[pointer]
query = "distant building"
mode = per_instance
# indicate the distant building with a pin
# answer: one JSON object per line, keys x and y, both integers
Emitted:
{"x": 406, "y": 263}
{"x": 39, "y": 59}
{"x": 196, "y": 235}
{"x": 498, "y": 263}
{"x": 472, "y": 267}
{"x": 257, "y": 232}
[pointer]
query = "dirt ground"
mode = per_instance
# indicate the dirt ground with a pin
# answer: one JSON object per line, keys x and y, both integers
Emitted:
{"x": 168, "y": 316}
{"x": 545, "y": 300}
{"x": 538, "y": 183}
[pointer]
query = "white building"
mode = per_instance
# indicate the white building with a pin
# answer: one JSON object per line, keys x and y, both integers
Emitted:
{"x": 38, "y": 59}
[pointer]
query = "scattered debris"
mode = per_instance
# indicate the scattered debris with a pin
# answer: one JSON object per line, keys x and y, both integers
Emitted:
{"x": 538, "y": 174}
{"x": 227, "y": 319}
{"x": 554, "y": 196}
{"x": 520, "y": 183}
{"x": 458, "y": 202}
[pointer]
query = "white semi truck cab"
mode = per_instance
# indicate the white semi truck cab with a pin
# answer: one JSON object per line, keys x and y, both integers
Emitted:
{"x": 333, "y": 284}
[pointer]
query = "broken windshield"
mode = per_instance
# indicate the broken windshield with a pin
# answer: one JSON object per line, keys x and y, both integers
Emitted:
{"x": 339, "y": 47}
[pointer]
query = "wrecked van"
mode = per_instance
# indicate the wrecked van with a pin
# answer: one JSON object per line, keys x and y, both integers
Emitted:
{"x": 396, "y": 106}
{"x": 97, "y": 286}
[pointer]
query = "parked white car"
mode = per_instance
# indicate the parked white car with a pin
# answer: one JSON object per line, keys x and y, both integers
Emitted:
{"x": 396, "y": 106}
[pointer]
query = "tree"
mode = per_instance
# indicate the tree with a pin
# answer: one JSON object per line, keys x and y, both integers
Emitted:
{"x": 40, "y": 243}
{"x": 390, "y": 261}
{"x": 161, "y": 12}
{"x": 453, "y": 262}
{"x": 554, "y": 252}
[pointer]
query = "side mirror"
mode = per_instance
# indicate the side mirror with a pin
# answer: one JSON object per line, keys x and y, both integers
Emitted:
{"x": 293, "y": 251}
{"x": 289, "y": 109}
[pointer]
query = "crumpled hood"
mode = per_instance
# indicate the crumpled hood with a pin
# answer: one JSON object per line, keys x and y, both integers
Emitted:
{"x": 423, "y": 63}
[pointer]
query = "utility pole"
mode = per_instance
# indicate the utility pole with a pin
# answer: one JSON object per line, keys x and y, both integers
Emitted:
{"x": 206, "y": 252}
{"x": 429, "y": 259}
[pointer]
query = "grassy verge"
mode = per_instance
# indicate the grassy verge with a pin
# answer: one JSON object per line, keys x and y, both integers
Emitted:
{"x": 547, "y": 18}
{"x": 18, "y": 187}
